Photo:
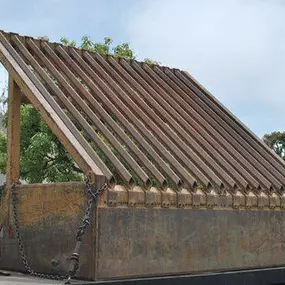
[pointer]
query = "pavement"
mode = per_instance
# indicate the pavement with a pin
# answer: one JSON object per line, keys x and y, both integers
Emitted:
{"x": 265, "y": 276}
{"x": 18, "y": 278}
{"x": 23, "y": 279}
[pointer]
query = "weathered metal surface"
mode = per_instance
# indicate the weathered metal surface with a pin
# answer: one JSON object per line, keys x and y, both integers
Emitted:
{"x": 139, "y": 232}
{"x": 98, "y": 107}
{"x": 94, "y": 118}
{"x": 145, "y": 242}
{"x": 13, "y": 133}
{"x": 208, "y": 231}
{"x": 150, "y": 123}
{"x": 48, "y": 113}
{"x": 206, "y": 125}
{"x": 217, "y": 202}
{"x": 48, "y": 216}
{"x": 123, "y": 110}
{"x": 245, "y": 142}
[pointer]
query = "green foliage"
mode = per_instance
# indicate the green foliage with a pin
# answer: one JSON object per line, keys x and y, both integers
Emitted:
{"x": 124, "y": 50}
{"x": 66, "y": 42}
{"x": 43, "y": 158}
{"x": 44, "y": 38}
{"x": 3, "y": 151}
{"x": 105, "y": 47}
{"x": 276, "y": 141}
{"x": 150, "y": 61}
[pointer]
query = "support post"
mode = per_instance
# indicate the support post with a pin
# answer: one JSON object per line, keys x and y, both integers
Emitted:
{"x": 13, "y": 136}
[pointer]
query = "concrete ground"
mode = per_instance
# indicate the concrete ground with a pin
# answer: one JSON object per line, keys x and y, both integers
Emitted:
{"x": 18, "y": 278}
{"x": 265, "y": 276}
{"x": 23, "y": 279}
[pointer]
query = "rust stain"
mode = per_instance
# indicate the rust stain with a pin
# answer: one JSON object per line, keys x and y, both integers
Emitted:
{"x": 40, "y": 203}
{"x": 4, "y": 208}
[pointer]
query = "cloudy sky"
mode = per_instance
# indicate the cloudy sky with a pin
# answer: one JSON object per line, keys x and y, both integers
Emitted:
{"x": 235, "y": 48}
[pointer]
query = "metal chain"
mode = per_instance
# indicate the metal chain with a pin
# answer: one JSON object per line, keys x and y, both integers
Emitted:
{"x": 74, "y": 262}
{"x": 92, "y": 197}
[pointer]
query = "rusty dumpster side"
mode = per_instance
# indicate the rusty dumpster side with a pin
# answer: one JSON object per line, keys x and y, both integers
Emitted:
{"x": 142, "y": 233}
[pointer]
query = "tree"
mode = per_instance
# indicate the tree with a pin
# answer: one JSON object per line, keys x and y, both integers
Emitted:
{"x": 43, "y": 157}
{"x": 276, "y": 141}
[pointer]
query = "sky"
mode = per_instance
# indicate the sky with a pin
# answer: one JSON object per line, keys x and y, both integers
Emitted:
{"x": 235, "y": 48}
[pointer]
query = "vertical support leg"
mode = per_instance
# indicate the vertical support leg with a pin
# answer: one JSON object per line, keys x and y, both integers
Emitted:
{"x": 13, "y": 137}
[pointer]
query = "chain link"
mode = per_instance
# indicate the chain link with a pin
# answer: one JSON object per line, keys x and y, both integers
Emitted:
{"x": 92, "y": 197}
{"x": 74, "y": 262}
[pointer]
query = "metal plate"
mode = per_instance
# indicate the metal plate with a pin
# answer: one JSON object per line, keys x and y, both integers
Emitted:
{"x": 158, "y": 241}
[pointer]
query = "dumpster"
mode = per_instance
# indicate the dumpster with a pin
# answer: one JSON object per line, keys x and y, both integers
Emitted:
{"x": 179, "y": 185}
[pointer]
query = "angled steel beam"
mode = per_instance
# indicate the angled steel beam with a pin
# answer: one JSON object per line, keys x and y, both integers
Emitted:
{"x": 13, "y": 137}
{"x": 50, "y": 116}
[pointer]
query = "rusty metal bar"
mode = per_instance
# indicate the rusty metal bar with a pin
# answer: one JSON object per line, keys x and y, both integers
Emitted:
{"x": 69, "y": 107}
{"x": 129, "y": 107}
{"x": 165, "y": 105}
{"x": 125, "y": 122}
{"x": 151, "y": 121}
{"x": 31, "y": 87}
{"x": 203, "y": 124}
{"x": 13, "y": 133}
{"x": 232, "y": 136}
{"x": 249, "y": 136}
{"x": 194, "y": 165}
{"x": 145, "y": 138}
{"x": 91, "y": 114}
{"x": 195, "y": 128}
{"x": 44, "y": 75}
{"x": 107, "y": 118}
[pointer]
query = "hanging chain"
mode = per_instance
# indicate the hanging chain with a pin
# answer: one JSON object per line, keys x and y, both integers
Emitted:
{"x": 92, "y": 196}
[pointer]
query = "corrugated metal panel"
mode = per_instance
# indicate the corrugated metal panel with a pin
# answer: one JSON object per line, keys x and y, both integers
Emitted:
{"x": 150, "y": 123}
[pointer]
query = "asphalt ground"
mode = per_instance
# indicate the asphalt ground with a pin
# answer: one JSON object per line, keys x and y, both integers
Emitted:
{"x": 19, "y": 278}
{"x": 266, "y": 276}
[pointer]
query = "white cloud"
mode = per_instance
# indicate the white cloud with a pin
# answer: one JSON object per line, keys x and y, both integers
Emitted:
{"x": 235, "y": 48}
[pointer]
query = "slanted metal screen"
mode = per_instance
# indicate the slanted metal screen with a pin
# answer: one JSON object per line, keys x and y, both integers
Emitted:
{"x": 141, "y": 122}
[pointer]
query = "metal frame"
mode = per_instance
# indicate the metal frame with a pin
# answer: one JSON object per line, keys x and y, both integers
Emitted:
{"x": 152, "y": 123}
{"x": 13, "y": 137}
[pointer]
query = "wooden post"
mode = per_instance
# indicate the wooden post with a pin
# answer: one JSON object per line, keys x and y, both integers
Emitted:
{"x": 13, "y": 136}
